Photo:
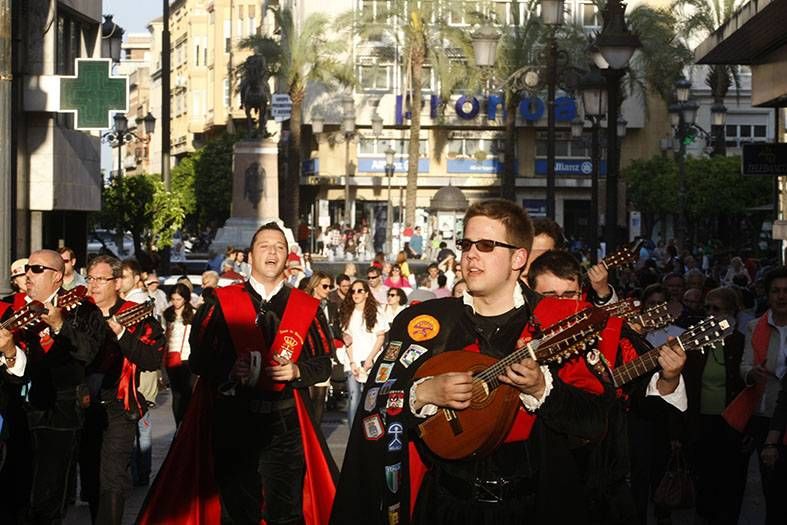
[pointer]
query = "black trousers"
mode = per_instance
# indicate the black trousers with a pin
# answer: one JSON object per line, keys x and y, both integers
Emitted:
{"x": 774, "y": 480}
{"x": 258, "y": 454}
{"x": 16, "y": 474}
{"x": 105, "y": 453}
{"x": 181, "y": 380}
{"x": 53, "y": 457}
{"x": 720, "y": 465}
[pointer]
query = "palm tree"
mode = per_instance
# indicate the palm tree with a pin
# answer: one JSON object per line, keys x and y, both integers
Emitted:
{"x": 420, "y": 31}
{"x": 298, "y": 57}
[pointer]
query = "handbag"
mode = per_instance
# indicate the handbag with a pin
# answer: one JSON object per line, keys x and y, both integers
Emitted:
{"x": 676, "y": 488}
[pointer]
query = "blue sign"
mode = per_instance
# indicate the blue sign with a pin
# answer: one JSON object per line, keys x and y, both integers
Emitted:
{"x": 468, "y": 107}
{"x": 575, "y": 167}
{"x": 535, "y": 207}
{"x": 474, "y": 166}
{"x": 371, "y": 165}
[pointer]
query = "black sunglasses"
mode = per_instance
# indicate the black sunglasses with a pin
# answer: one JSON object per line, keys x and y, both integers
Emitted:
{"x": 326, "y": 286}
{"x": 361, "y": 290}
{"x": 483, "y": 245}
{"x": 38, "y": 268}
{"x": 393, "y": 295}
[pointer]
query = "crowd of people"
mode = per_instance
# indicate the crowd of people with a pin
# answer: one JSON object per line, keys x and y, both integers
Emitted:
{"x": 252, "y": 360}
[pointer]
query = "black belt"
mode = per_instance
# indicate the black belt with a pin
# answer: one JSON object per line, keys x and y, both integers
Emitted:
{"x": 496, "y": 490}
{"x": 262, "y": 406}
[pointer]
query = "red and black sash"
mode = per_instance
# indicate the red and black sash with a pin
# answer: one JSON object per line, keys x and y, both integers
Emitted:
{"x": 127, "y": 386}
{"x": 240, "y": 315}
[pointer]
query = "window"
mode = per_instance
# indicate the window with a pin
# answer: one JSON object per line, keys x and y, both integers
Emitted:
{"x": 737, "y": 134}
{"x": 375, "y": 77}
{"x": 374, "y": 9}
{"x": 226, "y": 93}
{"x": 468, "y": 146}
{"x": 565, "y": 145}
{"x": 760, "y": 131}
{"x": 227, "y": 36}
{"x": 198, "y": 104}
{"x": 589, "y": 14}
{"x": 69, "y": 43}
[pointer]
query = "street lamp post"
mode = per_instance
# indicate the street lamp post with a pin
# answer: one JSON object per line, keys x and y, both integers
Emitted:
{"x": 593, "y": 93}
{"x": 682, "y": 116}
{"x": 120, "y": 135}
{"x": 111, "y": 39}
{"x": 390, "y": 167}
{"x": 552, "y": 16}
{"x": 612, "y": 51}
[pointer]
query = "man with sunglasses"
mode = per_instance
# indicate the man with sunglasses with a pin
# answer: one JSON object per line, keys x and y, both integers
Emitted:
{"x": 379, "y": 290}
{"x": 524, "y": 480}
{"x": 58, "y": 349}
{"x": 257, "y": 347}
{"x": 116, "y": 404}
{"x": 71, "y": 277}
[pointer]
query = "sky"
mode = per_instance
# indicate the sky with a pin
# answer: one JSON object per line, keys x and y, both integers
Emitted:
{"x": 133, "y": 16}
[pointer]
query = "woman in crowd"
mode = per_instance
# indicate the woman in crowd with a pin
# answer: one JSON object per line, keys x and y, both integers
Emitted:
{"x": 459, "y": 288}
{"x": 319, "y": 286}
{"x": 177, "y": 327}
{"x": 396, "y": 279}
{"x": 713, "y": 380}
{"x": 363, "y": 330}
{"x": 401, "y": 262}
{"x": 397, "y": 301}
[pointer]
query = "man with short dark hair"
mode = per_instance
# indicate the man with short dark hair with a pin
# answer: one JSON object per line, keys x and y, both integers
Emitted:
{"x": 342, "y": 289}
{"x": 71, "y": 277}
{"x": 379, "y": 290}
{"x": 257, "y": 348}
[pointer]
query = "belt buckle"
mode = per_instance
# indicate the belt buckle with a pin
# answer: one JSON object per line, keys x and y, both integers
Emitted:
{"x": 489, "y": 490}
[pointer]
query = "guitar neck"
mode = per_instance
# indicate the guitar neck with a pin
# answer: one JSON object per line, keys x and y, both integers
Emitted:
{"x": 640, "y": 366}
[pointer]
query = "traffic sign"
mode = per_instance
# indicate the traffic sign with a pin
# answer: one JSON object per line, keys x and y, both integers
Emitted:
{"x": 281, "y": 107}
{"x": 93, "y": 94}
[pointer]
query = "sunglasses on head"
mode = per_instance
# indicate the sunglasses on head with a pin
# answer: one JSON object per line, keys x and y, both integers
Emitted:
{"x": 38, "y": 268}
{"x": 483, "y": 245}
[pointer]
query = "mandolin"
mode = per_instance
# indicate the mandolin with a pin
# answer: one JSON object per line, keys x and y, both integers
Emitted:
{"x": 479, "y": 429}
{"x": 706, "y": 333}
{"x": 657, "y": 316}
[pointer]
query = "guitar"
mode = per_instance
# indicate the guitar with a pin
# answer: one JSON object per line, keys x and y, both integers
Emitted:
{"x": 479, "y": 429}
{"x": 708, "y": 332}
{"x": 135, "y": 314}
{"x": 622, "y": 256}
{"x": 31, "y": 313}
{"x": 655, "y": 317}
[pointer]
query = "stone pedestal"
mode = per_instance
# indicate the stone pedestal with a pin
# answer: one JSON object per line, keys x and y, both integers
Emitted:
{"x": 255, "y": 190}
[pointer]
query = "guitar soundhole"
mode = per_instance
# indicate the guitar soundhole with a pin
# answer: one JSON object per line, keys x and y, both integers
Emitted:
{"x": 482, "y": 395}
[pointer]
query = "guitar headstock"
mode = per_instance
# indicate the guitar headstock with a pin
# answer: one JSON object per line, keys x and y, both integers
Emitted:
{"x": 656, "y": 316}
{"x": 623, "y": 308}
{"x": 623, "y": 256}
{"x": 136, "y": 313}
{"x": 25, "y": 316}
{"x": 706, "y": 333}
{"x": 568, "y": 339}
{"x": 71, "y": 298}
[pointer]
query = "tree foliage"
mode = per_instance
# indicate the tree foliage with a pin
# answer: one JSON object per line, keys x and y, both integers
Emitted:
{"x": 213, "y": 181}
{"x": 715, "y": 188}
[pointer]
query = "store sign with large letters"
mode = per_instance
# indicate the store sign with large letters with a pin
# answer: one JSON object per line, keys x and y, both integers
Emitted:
{"x": 467, "y": 107}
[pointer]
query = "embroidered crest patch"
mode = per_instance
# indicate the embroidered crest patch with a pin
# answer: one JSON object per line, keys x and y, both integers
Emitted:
{"x": 393, "y": 477}
{"x": 392, "y": 351}
{"x": 410, "y": 355}
{"x": 394, "y": 431}
{"x": 395, "y": 402}
{"x": 371, "y": 399}
{"x": 373, "y": 427}
{"x": 383, "y": 373}
{"x": 423, "y": 328}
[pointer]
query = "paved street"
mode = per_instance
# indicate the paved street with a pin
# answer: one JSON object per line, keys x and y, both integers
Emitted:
{"x": 335, "y": 430}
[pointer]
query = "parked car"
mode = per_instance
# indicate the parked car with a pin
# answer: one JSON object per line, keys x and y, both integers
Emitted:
{"x": 100, "y": 238}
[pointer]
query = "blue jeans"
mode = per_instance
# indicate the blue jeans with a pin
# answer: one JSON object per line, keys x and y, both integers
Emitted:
{"x": 354, "y": 391}
{"x": 141, "y": 460}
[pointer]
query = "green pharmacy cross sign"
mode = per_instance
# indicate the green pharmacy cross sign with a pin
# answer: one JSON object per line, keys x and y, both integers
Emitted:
{"x": 93, "y": 94}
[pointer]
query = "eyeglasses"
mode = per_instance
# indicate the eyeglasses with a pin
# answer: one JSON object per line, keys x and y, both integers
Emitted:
{"x": 359, "y": 291}
{"x": 325, "y": 286}
{"x": 568, "y": 294}
{"x": 483, "y": 245}
{"x": 38, "y": 268}
{"x": 99, "y": 280}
